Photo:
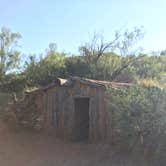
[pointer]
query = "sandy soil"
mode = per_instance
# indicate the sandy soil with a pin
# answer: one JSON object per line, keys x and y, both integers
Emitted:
{"x": 36, "y": 149}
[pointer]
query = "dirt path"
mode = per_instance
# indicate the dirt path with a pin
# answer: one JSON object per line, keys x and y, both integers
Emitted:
{"x": 34, "y": 149}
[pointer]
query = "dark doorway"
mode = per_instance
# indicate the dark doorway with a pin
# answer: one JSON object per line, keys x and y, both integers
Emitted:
{"x": 81, "y": 119}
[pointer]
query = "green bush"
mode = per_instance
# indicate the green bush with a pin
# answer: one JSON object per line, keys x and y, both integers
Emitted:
{"x": 139, "y": 118}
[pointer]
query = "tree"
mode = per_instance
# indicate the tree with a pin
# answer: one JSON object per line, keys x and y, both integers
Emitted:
{"x": 77, "y": 66}
{"x": 44, "y": 70}
{"x": 97, "y": 47}
{"x": 124, "y": 47}
{"x": 9, "y": 56}
{"x": 122, "y": 43}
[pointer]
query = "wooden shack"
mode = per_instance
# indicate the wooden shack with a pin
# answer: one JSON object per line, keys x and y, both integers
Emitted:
{"x": 73, "y": 108}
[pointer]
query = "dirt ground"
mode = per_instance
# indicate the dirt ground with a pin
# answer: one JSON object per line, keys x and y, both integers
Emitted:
{"x": 36, "y": 149}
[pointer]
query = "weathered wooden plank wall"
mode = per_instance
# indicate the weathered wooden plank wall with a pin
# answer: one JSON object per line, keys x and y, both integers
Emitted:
{"x": 57, "y": 108}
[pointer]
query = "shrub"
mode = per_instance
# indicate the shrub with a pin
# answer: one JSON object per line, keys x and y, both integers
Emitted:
{"x": 139, "y": 119}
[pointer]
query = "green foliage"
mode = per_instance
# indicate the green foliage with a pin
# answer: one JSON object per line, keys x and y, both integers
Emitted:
{"x": 139, "y": 117}
{"x": 76, "y": 65}
{"x": 13, "y": 83}
{"x": 150, "y": 67}
{"x": 9, "y": 56}
{"x": 45, "y": 70}
{"x": 122, "y": 43}
{"x": 96, "y": 60}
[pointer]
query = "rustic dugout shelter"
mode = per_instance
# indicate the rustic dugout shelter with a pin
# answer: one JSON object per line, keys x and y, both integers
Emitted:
{"x": 73, "y": 108}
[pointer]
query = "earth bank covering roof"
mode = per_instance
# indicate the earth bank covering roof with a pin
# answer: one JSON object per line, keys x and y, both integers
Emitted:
{"x": 69, "y": 82}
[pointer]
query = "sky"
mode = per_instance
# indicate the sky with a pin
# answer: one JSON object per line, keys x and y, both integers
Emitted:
{"x": 70, "y": 23}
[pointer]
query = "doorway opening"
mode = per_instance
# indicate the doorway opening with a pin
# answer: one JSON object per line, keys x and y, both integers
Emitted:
{"x": 81, "y": 119}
